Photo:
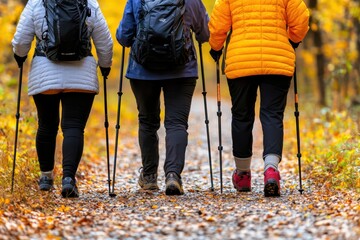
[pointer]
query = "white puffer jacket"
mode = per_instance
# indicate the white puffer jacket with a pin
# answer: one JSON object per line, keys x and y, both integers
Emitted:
{"x": 47, "y": 75}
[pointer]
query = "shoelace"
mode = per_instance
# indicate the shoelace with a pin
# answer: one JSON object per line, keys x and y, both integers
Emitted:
{"x": 150, "y": 177}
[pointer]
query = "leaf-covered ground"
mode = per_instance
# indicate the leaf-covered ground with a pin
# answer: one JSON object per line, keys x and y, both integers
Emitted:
{"x": 319, "y": 213}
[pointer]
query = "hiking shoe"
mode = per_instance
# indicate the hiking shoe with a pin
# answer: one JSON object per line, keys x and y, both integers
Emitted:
{"x": 242, "y": 180}
{"x": 148, "y": 182}
{"x": 69, "y": 188}
{"x": 45, "y": 183}
{"x": 173, "y": 184}
{"x": 272, "y": 183}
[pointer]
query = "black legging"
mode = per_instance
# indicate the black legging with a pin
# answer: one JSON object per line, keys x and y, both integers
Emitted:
{"x": 75, "y": 108}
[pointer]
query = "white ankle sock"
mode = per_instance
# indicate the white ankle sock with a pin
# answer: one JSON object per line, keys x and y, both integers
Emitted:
{"x": 271, "y": 160}
{"x": 243, "y": 164}
{"x": 48, "y": 174}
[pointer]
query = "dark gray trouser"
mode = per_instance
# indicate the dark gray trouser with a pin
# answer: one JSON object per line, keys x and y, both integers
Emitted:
{"x": 76, "y": 107}
{"x": 273, "y": 94}
{"x": 177, "y": 101}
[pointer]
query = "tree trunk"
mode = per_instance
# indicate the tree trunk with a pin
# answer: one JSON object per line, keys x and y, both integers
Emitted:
{"x": 356, "y": 80}
{"x": 320, "y": 58}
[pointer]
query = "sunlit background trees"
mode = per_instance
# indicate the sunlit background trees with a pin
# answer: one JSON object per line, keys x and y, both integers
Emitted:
{"x": 328, "y": 59}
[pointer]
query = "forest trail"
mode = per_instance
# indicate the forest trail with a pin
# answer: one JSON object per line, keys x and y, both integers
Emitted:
{"x": 200, "y": 213}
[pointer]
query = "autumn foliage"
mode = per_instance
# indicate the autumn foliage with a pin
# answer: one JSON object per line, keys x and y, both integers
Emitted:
{"x": 329, "y": 130}
{"x": 330, "y": 138}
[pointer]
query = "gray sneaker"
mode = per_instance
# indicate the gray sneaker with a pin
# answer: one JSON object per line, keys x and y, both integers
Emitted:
{"x": 148, "y": 182}
{"x": 46, "y": 183}
{"x": 173, "y": 184}
{"x": 69, "y": 188}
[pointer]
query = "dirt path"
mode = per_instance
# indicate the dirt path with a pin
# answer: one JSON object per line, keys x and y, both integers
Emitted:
{"x": 200, "y": 213}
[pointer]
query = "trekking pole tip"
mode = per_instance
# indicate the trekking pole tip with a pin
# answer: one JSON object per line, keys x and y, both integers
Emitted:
{"x": 301, "y": 191}
{"x": 112, "y": 194}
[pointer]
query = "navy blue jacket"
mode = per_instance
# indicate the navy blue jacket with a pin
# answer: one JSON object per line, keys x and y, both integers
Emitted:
{"x": 195, "y": 21}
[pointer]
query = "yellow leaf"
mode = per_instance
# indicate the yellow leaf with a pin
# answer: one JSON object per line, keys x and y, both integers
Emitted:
{"x": 210, "y": 219}
{"x": 63, "y": 208}
{"x": 50, "y": 220}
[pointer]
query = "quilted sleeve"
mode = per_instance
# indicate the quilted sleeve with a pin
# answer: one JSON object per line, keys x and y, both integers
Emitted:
{"x": 102, "y": 40}
{"x": 25, "y": 31}
{"x": 298, "y": 20}
{"x": 219, "y": 24}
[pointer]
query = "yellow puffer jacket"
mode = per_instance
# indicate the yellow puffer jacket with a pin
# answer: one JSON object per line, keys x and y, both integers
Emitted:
{"x": 261, "y": 30}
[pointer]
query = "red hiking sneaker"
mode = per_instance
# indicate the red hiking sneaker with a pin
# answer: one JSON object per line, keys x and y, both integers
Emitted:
{"x": 242, "y": 180}
{"x": 272, "y": 183}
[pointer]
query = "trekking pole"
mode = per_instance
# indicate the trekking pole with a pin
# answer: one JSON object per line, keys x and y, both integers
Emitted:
{"x": 117, "y": 126}
{"x": 106, "y": 124}
{"x": 296, "y": 113}
{"x": 220, "y": 147}
{"x": 206, "y": 115}
{"x": 17, "y": 127}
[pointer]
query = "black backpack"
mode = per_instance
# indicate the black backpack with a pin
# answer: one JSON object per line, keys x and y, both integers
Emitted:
{"x": 67, "y": 37}
{"x": 160, "y": 42}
